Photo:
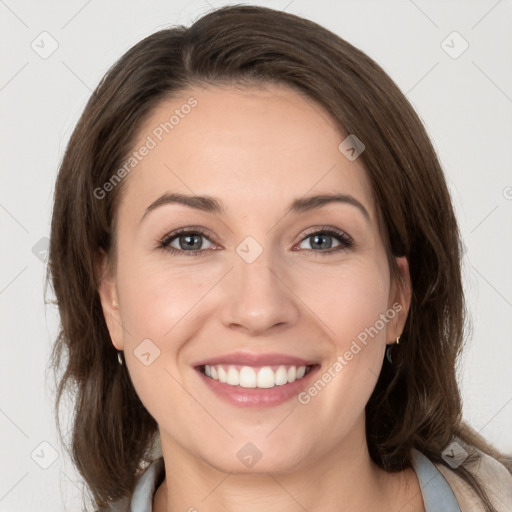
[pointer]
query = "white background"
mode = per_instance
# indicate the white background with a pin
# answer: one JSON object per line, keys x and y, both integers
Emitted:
{"x": 465, "y": 103}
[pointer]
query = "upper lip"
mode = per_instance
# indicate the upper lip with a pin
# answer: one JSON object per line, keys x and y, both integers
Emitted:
{"x": 250, "y": 359}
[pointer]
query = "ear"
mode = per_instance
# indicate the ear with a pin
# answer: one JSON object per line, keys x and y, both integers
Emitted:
{"x": 107, "y": 289}
{"x": 399, "y": 299}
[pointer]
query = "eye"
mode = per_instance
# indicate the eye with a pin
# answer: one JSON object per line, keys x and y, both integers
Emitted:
{"x": 185, "y": 240}
{"x": 322, "y": 239}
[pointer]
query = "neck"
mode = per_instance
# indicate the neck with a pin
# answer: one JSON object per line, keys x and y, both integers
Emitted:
{"x": 343, "y": 479}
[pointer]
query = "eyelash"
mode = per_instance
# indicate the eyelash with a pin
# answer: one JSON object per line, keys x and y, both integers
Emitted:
{"x": 163, "y": 244}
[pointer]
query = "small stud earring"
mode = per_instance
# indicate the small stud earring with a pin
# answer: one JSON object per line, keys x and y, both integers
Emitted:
{"x": 119, "y": 358}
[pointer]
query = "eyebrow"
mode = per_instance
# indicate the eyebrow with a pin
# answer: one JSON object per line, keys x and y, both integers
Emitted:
{"x": 211, "y": 205}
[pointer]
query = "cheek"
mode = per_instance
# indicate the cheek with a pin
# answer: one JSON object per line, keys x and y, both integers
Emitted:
{"x": 357, "y": 303}
{"x": 348, "y": 300}
{"x": 352, "y": 305}
{"x": 158, "y": 305}
{"x": 156, "y": 297}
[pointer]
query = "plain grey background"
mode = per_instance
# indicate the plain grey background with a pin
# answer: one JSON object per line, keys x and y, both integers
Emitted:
{"x": 451, "y": 58}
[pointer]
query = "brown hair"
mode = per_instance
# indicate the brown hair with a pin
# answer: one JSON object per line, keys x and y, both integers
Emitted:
{"x": 416, "y": 403}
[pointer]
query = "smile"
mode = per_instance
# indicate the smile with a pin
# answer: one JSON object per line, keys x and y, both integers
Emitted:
{"x": 252, "y": 377}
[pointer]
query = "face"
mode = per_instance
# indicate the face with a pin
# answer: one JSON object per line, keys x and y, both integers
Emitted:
{"x": 259, "y": 285}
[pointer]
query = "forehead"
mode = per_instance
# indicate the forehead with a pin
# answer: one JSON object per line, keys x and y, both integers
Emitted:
{"x": 263, "y": 143}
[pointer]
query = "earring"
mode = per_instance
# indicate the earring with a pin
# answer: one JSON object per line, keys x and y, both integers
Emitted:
{"x": 388, "y": 350}
{"x": 119, "y": 358}
{"x": 115, "y": 304}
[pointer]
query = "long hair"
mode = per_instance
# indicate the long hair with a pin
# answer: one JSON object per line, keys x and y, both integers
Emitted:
{"x": 415, "y": 403}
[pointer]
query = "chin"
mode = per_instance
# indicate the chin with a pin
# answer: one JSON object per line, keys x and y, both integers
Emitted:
{"x": 254, "y": 457}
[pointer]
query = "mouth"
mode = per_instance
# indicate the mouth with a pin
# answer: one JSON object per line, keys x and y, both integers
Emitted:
{"x": 263, "y": 377}
{"x": 246, "y": 379}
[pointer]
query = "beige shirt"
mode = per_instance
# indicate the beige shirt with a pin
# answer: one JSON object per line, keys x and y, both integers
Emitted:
{"x": 495, "y": 478}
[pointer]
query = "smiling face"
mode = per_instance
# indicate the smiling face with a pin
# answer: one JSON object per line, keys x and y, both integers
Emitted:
{"x": 260, "y": 271}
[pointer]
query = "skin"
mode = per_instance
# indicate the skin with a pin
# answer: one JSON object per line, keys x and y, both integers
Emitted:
{"x": 255, "y": 150}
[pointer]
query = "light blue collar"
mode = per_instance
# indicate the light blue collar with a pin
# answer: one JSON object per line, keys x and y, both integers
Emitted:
{"x": 142, "y": 498}
{"x": 437, "y": 493}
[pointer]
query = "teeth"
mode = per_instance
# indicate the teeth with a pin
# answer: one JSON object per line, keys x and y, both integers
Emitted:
{"x": 249, "y": 377}
{"x": 233, "y": 377}
{"x": 281, "y": 376}
{"x": 265, "y": 378}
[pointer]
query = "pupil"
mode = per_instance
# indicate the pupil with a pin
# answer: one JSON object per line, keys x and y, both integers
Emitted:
{"x": 192, "y": 237}
{"x": 316, "y": 241}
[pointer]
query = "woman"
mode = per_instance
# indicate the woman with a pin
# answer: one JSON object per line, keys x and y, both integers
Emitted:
{"x": 222, "y": 356}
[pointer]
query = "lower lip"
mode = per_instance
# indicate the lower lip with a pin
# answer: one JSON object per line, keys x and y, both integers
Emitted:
{"x": 258, "y": 397}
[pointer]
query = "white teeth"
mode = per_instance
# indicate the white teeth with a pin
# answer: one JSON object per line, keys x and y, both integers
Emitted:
{"x": 233, "y": 377}
{"x": 266, "y": 378}
{"x": 281, "y": 376}
{"x": 249, "y": 377}
{"x": 222, "y": 374}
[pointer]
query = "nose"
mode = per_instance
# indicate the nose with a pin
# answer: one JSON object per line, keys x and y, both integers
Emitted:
{"x": 258, "y": 297}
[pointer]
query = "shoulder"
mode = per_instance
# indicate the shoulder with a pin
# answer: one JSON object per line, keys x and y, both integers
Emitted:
{"x": 492, "y": 475}
{"x": 141, "y": 499}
